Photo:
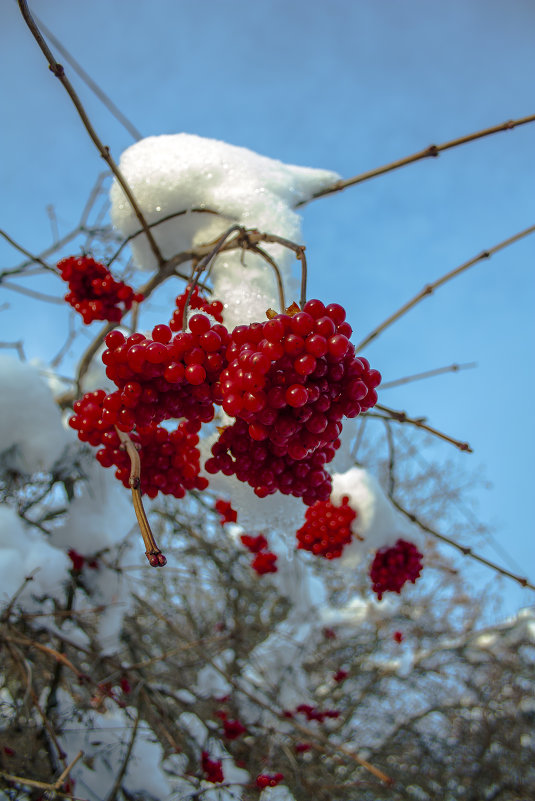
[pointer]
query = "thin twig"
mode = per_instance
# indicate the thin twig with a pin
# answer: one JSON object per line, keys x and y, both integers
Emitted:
{"x": 36, "y": 259}
{"x": 419, "y": 422}
{"x": 32, "y": 293}
{"x": 120, "y": 776}
{"x": 261, "y": 252}
{"x": 152, "y": 552}
{"x": 462, "y": 548}
{"x": 430, "y": 288}
{"x": 429, "y": 152}
{"x": 452, "y": 368}
{"x": 104, "y": 151}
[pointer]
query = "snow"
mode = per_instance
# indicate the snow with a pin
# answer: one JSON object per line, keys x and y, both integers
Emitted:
{"x": 377, "y": 523}
{"x": 25, "y": 552}
{"x": 32, "y": 436}
{"x": 173, "y": 173}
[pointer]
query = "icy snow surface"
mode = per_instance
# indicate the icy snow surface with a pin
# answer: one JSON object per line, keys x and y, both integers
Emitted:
{"x": 30, "y": 422}
{"x": 183, "y": 172}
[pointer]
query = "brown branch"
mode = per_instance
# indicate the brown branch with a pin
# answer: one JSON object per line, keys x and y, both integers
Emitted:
{"x": 152, "y": 552}
{"x": 402, "y": 417}
{"x": 430, "y": 288}
{"x": 451, "y": 368}
{"x": 429, "y": 152}
{"x": 104, "y": 151}
{"x": 463, "y": 549}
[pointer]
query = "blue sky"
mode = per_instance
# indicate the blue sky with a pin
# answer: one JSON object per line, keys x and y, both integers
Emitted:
{"x": 345, "y": 86}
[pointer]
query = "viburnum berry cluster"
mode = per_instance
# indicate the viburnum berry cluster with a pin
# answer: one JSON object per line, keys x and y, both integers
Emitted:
{"x": 264, "y": 561}
{"x": 264, "y": 780}
{"x": 312, "y": 713}
{"x": 94, "y": 292}
{"x": 212, "y": 768}
{"x": 289, "y": 383}
{"x": 393, "y": 566}
{"x": 232, "y": 729}
{"x": 226, "y": 513}
{"x": 327, "y": 528}
{"x": 171, "y": 459}
{"x": 196, "y": 301}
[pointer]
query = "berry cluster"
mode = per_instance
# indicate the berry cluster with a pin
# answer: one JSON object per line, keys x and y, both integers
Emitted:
{"x": 312, "y": 713}
{"x": 170, "y": 459}
{"x": 340, "y": 675}
{"x": 289, "y": 382}
{"x": 166, "y": 376}
{"x": 94, "y": 292}
{"x": 393, "y": 566}
{"x": 214, "y": 308}
{"x": 268, "y": 780}
{"x": 226, "y": 513}
{"x": 78, "y": 561}
{"x": 264, "y": 561}
{"x": 232, "y": 729}
{"x": 327, "y": 528}
{"x": 212, "y": 768}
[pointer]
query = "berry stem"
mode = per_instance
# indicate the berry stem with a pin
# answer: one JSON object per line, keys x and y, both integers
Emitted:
{"x": 402, "y": 417}
{"x": 152, "y": 552}
{"x": 280, "y": 287}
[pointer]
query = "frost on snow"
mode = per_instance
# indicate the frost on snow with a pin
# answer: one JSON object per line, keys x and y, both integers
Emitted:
{"x": 186, "y": 173}
{"x": 32, "y": 436}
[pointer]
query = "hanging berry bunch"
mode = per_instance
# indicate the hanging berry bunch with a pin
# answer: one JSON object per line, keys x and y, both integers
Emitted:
{"x": 395, "y": 565}
{"x": 196, "y": 301}
{"x": 94, "y": 292}
{"x": 327, "y": 528}
{"x": 289, "y": 383}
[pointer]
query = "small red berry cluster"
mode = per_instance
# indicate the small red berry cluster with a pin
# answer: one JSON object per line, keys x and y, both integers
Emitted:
{"x": 226, "y": 513}
{"x": 393, "y": 566}
{"x": 232, "y": 729}
{"x": 78, "y": 561}
{"x": 312, "y": 713}
{"x": 94, "y": 292}
{"x": 289, "y": 382}
{"x": 327, "y": 528}
{"x": 214, "y": 308}
{"x": 264, "y": 561}
{"x": 264, "y": 780}
{"x": 340, "y": 675}
{"x": 212, "y": 768}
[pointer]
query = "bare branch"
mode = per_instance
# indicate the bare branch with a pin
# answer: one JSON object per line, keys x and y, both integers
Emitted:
{"x": 430, "y": 288}
{"x": 429, "y": 152}
{"x": 419, "y": 422}
{"x": 452, "y": 368}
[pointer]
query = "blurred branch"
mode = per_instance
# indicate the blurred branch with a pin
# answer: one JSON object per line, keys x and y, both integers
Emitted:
{"x": 36, "y": 259}
{"x": 104, "y": 151}
{"x": 430, "y": 288}
{"x": 102, "y": 96}
{"x": 452, "y": 368}
{"x": 429, "y": 152}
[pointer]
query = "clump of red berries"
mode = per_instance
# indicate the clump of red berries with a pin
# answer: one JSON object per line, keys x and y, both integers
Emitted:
{"x": 264, "y": 561}
{"x": 212, "y": 768}
{"x": 196, "y": 301}
{"x": 312, "y": 713}
{"x": 289, "y": 382}
{"x": 94, "y": 292}
{"x": 395, "y": 565}
{"x": 397, "y": 636}
{"x": 264, "y": 780}
{"x": 327, "y": 528}
{"x": 170, "y": 459}
{"x": 340, "y": 675}
{"x": 226, "y": 513}
{"x": 166, "y": 376}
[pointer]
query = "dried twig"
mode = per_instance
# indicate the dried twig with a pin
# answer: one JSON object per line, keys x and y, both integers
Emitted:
{"x": 451, "y": 368}
{"x": 419, "y": 422}
{"x": 429, "y": 152}
{"x": 430, "y": 288}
